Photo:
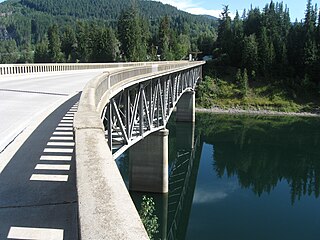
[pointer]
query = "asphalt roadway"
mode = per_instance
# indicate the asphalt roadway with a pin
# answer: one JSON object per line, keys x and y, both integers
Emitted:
{"x": 38, "y": 197}
{"x": 25, "y": 97}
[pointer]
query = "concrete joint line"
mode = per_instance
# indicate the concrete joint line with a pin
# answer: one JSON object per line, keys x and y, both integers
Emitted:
{"x": 88, "y": 128}
{"x": 40, "y": 205}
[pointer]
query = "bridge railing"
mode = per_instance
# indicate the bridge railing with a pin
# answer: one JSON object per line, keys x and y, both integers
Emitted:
{"x": 104, "y": 202}
{"x": 98, "y": 92}
{"x": 14, "y": 69}
{"x": 113, "y": 82}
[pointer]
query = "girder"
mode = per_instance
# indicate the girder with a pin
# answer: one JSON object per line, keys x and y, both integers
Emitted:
{"x": 145, "y": 107}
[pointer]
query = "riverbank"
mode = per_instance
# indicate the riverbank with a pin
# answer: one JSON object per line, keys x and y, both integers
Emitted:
{"x": 221, "y": 92}
{"x": 218, "y": 110}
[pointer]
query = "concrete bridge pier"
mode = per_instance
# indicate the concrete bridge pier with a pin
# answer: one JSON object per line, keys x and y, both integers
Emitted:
{"x": 186, "y": 107}
{"x": 163, "y": 216}
{"x": 148, "y": 170}
{"x": 185, "y": 132}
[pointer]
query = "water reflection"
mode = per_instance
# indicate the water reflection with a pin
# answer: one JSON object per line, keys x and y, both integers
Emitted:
{"x": 173, "y": 209}
{"x": 258, "y": 178}
{"x": 262, "y": 151}
{"x": 182, "y": 179}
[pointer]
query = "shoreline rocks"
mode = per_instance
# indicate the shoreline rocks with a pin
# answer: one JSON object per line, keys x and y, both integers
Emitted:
{"x": 217, "y": 110}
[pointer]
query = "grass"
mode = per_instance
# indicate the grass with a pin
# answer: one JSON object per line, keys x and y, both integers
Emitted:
{"x": 225, "y": 93}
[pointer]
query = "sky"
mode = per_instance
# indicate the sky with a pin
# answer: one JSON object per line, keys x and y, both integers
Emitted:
{"x": 214, "y": 7}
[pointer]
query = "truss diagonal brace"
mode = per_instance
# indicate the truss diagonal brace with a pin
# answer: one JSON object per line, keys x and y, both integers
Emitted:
{"x": 122, "y": 127}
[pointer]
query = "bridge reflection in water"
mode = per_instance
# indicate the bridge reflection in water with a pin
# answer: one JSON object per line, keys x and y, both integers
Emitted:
{"x": 173, "y": 209}
{"x": 268, "y": 168}
{"x": 182, "y": 180}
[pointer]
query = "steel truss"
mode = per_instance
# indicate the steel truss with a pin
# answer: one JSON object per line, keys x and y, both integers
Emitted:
{"x": 144, "y": 108}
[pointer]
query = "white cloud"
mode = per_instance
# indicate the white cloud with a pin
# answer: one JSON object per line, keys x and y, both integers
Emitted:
{"x": 194, "y": 8}
{"x": 206, "y": 197}
{"x": 180, "y": 4}
{"x": 203, "y": 11}
{"x": 208, "y": 193}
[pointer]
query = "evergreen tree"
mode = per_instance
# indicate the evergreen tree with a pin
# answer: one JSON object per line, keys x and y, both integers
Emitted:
{"x": 54, "y": 44}
{"x": 164, "y": 38}
{"x": 41, "y": 54}
{"x": 113, "y": 46}
{"x": 250, "y": 53}
{"x": 205, "y": 42}
{"x": 26, "y": 55}
{"x": 318, "y": 33}
{"x": 236, "y": 54}
{"x": 272, "y": 57}
{"x": 69, "y": 44}
{"x": 265, "y": 60}
{"x": 252, "y": 22}
{"x": 31, "y": 19}
{"x": 243, "y": 81}
{"x": 295, "y": 48}
{"x": 317, "y": 70}
{"x": 277, "y": 22}
{"x": 8, "y": 51}
{"x": 310, "y": 47}
{"x": 225, "y": 34}
{"x": 182, "y": 47}
{"x": 145, "y": 38}
{"x": 153, "y": 52}
{"x": 104, "y": 45}
{"x": 133, "y": 41}
{"x": 83, "y": 42}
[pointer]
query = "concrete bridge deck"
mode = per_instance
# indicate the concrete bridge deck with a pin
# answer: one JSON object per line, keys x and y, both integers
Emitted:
{"x": 38, "y": 197}
{"x": 38, "y": 191}
{"x": 25, "y": 97}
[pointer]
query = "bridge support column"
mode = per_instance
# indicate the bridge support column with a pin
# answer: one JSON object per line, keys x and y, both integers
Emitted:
{"x": 148, "y": 158}
{"x": 186, "y": 108}
{"x": 185, "y": 132}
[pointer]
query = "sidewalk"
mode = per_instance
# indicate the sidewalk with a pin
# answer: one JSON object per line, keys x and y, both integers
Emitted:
{"x": 38, "y": 198}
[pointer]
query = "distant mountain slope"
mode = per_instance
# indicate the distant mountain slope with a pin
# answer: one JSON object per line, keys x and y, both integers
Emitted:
{"x": 98, "y": 9}
{"x": 28, "y": 20}
{"x": 210, "y": 17}
{"x": 84, "y": 9}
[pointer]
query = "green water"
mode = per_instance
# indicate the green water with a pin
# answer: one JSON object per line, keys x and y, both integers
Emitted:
{"x": 245, "y": 177}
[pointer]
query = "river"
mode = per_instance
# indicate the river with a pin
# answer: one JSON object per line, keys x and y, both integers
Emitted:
{"x": 239, "y": 177}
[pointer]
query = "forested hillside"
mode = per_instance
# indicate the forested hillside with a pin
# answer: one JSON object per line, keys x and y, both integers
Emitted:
{"x": 107, "y": 9}
{"x": 263, "y": 60}
{"x": 25, "y": 23}
{"x": 260, "y": 59}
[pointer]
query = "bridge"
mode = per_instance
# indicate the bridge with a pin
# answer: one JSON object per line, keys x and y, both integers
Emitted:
{"x": 123, "y": 106}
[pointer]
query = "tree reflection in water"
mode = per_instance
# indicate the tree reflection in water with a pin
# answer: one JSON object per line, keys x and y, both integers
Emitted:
{"x": 257, "y": 151}
{"x": 261, "y": 151}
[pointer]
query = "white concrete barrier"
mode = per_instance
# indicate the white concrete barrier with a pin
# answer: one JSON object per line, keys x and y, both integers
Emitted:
{"x": 106, "y": 210}
{"x": 13, "y": 69}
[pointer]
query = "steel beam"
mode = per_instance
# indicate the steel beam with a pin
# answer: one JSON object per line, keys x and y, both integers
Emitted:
{"x": 145, "y": 107}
